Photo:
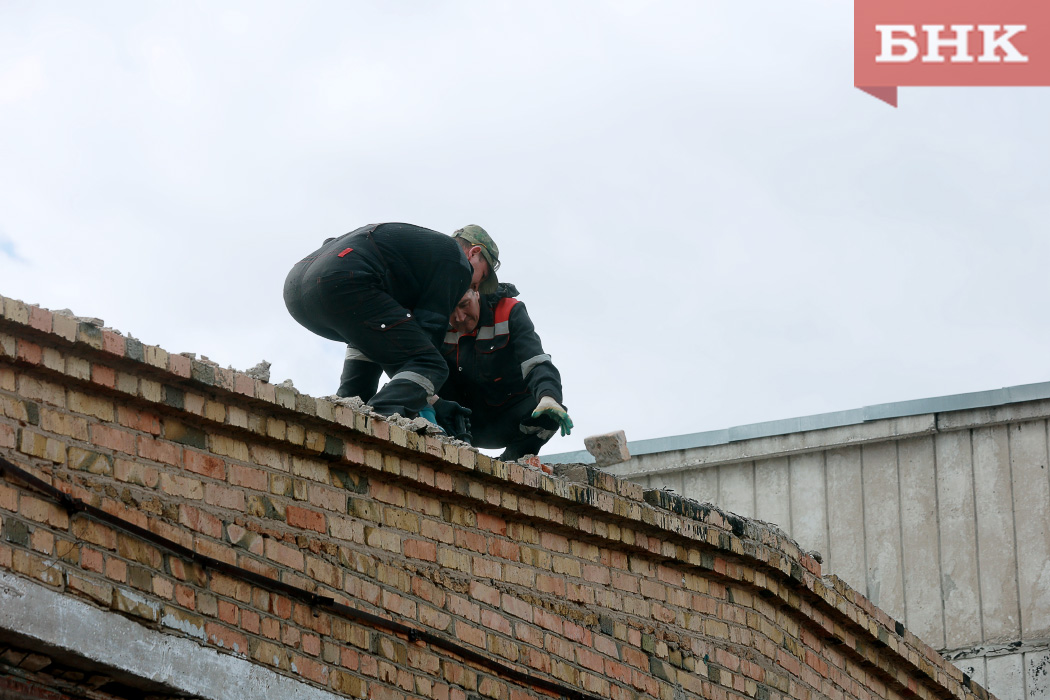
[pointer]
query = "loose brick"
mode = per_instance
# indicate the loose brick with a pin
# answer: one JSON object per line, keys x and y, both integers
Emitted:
{"x": 38, "y": 318}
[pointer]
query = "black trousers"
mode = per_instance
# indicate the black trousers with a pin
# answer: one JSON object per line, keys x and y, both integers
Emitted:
{"x": 345, "y": 301}
{"x": 511, "y": 426}
{"x": 359, "y": 378}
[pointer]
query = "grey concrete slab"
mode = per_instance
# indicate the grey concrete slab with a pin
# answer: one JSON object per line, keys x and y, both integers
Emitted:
{"x": 1037, "y": 674}
{"x": 772, "y": 497}
{"x": 701, "y": 484}
{"x": 994, "y": 415}
{"x": 997, "y": 555}
{"x": 845, "y": 556}
{"x": 736, "y": 488}
{"x": 959, "y": 582}
{"x": 809, "y": 525}
{"x": 882, "y": 535}
{"x": 767, "y": 447}
{"x": 1031, "y": 490}
{"x": 921, "y": 547}
{"x": 175, "y": 662}
{"x": 1006, "y": 677}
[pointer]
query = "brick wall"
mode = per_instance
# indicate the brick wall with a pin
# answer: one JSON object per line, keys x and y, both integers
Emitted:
{"x": 581, "y": 580}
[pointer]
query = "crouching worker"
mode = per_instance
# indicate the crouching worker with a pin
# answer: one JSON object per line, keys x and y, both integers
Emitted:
{"x": 499, "y": 372}
{"x": 388, "y": 289}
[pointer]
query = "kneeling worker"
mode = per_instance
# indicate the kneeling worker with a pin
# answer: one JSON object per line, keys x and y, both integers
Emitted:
{"x": 388, "y": 289}
{"x": 498, "y": 370}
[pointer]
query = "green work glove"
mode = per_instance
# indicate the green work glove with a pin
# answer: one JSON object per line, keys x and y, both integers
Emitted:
{"x": 549, "y": 407}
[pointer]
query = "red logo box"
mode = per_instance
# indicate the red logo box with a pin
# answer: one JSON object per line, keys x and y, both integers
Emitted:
{"x": 949, "y": 42}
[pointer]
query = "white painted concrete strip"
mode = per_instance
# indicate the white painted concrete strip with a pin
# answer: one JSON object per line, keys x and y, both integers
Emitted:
{"x": 772, "y": 490}
{"x": 922, "y": 571}
{"x": 700, "y": 485}
{"x": 959, "y": 583}
{"x": 1000, "y": 610}
{"x": 808, "y": 522}
{"x": 1006, "y": 677}
{"x": 109, "y": 639}
{"x": 736, "y": 486}
{"x": 845, "y": 555}
{"x": 1028, "y": 457}
{"x": 1037, "y": 674}
{"x": 882, "y": 528}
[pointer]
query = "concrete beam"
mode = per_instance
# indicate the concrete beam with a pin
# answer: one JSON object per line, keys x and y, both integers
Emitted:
{"x": 96, "y": 636}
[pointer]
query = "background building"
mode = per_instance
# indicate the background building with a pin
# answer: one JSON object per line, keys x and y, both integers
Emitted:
{"x": 938, "y": 510}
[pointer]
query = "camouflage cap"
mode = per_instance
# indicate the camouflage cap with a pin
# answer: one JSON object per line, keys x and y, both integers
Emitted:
{"x": 475, "y": 235}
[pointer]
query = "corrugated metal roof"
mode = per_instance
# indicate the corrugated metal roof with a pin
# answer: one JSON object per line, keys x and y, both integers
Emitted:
{"x": 897, "y": 409}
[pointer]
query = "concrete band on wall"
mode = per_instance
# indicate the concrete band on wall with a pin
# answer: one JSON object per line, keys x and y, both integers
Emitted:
{"x": 623, "y": 592}
{"x": 176, "y": 664}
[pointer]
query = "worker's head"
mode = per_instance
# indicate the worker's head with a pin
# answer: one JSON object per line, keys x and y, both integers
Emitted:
{"x": 467, "y": 313}
{"x": 483, "y": 255}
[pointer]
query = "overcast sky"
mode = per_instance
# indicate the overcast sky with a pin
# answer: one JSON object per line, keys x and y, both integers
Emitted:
{"x": 708, "y": 224}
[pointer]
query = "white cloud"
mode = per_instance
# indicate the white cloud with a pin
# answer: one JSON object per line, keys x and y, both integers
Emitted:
{"x": 21, "y": 80}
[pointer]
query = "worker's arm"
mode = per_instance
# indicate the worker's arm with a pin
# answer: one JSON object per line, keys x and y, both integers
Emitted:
{"x": 447, "y": 285}
{"x": 539, "y": 372}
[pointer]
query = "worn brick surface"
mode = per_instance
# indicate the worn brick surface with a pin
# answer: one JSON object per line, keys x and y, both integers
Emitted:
{"x": 582, "y": 578}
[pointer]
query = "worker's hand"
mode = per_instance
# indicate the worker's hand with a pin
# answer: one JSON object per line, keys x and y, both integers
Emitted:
{"x": 549, "y": 407}
{"x": 455, "y": 419}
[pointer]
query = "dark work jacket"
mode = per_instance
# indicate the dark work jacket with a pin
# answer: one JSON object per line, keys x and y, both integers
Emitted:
{"x": 423, "y": 270}
{"x": 502, "y": 360}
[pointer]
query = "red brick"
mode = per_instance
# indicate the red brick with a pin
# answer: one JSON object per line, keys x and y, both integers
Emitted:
{"x": 492, "y": 523}
{"x": 504, "y": 549}
{"x": 284, "y": 555}
{"x": 113, "y": 343}
{"x": 113, "y": 438}
{"x": 203, "y": 464}
{"x": 305, "y": 518}
{"x": 100, "y": 374}
{"x": 160, "y": 451}
{"x": 312, "y": 670}
{"x": 311, "y": 644}
{"x": 116, "y": 570}
{"x": 180, "y": 365}
{"x": 247, "y": 476}
{"x": 92, "y": 559}
{"x": 250, "y": 621}
{"x": 138, "y": 420}
{"x": 228, "y": 612}
{"x": 185, "y": 597}
{"x": 243, "y": 384}
{"x": 197, "y": 519}
{"x": 223, "y": 497}
{"x": 40, "y": 319}
{"x": 224, "y": 637}
{"x": 29, "y": 352}
{"x": 517, "y": 608}
{"x": 473, "y": 541}
{"x": 420, "y": 549}
{"x": 486, "y": 594}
